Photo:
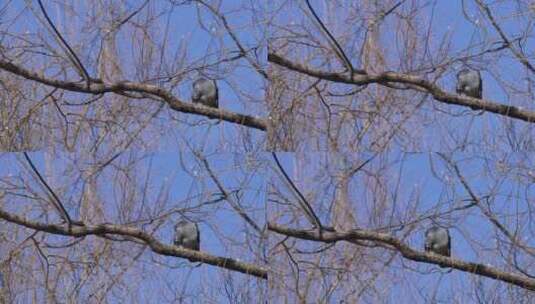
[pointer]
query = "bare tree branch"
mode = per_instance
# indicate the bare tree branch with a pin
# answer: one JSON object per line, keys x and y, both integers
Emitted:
{"x": 156, "y": 246}
{"x": 305, "y": 205}
{"x": 507, "y": 42}
{"x": 407, "y": 252}
{"x": 336, "y": 46}
{"x": 62, "y": 211}
{"x": 77, "y": 62}
{"x": 415, "y": 82}
{"x": 226, "y": 195}
{"x": 97, "y": 87}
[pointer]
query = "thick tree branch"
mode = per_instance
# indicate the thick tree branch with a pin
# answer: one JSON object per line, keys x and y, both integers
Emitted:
{"x": 415, "y": 82}
{"x": 407, "y": 252}
{"x": 102, "y": 230}
{"x": 98, "y": 87}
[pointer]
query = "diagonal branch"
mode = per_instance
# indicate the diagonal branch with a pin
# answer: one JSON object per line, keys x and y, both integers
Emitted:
{"x": 305, "y": 205}
{"x": 226, "y": 195}
{"x": 507, "y": 42}
{"x": 98, "y": 87}
{"x": 233, "y": 36}
{"x": 62, "y": 211}
{"x": 488, "y": 213}
{"x": 102, "y": 230}
{"x": 335, "y": 45}
{"x": 77, "y": 62}
{"x": 407, "y": 252}
{"x": 415, "y": 83}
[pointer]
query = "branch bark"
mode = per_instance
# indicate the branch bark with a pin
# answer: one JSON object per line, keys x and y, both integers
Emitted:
{"x": 415, "y": 82}
{"x": 98, "y": 87}
{"x": 102, "y": 230}
{"x": 407, "y": 252}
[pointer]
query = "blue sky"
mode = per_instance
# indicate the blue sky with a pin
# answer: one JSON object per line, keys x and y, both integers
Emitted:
{"x": 224, "y": 145}
{"x": 230, "y": 148}
{"x": 492, "y": 143}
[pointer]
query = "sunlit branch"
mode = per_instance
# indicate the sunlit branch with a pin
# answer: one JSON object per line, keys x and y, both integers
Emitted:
{"x": 406, "y": 251}
{"x": 415, "y": 83}
{"x": 98, "y": 87}
{"x": 102, "y": 230}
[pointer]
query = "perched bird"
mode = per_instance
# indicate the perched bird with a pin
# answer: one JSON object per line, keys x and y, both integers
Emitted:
{"x": 187, "y": 235}
{"x": 469, "y": 83}
{"x": 437, "y": 240}
{"x": 206, "y": 92}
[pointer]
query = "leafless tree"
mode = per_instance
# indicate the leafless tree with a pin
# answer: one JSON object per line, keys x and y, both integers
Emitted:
{"x": 123, "y": 154}
{"x": 363, "y": 93}
{"x": 104, "y": 151}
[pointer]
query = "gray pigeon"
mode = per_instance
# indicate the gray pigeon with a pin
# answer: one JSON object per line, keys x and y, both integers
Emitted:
{"x": 437, "y": 240}
{"x": 205, "y": 91}
{"x": 187, "y": 235}
{"x": 469, "y": 83}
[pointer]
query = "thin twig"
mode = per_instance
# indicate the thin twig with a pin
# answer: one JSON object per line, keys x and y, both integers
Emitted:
{"x": 235, "y": 205}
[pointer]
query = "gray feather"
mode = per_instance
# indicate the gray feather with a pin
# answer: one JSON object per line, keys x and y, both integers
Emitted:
{"x": 438, "y": 240}
{"x": 469, "y": 83}
{"x": 187, "y": 235}
{"x": 205, "y": 91}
